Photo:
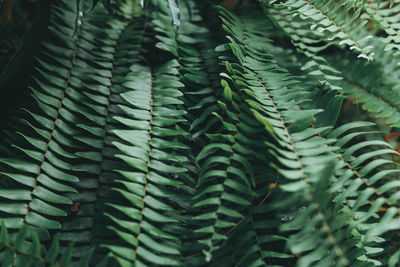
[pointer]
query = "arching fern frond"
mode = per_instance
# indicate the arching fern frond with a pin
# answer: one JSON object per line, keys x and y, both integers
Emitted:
{"x": 364, "y": 83}
{"x": 385, "y": 17}
{"x": 339, "y": 22}
{"x": 297, "y": 164}
{"x": 296, "y": 29}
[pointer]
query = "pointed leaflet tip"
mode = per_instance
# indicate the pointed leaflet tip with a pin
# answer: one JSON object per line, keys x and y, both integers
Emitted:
{"x": 174, "y": 9}
{"x": 267, "y": 125}
{"x": 4, "y": 238}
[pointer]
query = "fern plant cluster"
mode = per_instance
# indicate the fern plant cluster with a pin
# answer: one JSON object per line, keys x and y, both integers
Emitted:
{"x": 184, "y": 133}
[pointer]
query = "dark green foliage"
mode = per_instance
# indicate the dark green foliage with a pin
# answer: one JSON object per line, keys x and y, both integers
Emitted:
{"x": 178, "y": 132}
{"x": 24, "y": 249}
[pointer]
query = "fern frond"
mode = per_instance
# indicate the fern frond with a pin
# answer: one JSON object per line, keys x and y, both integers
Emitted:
{"x": 272, "y": 89}
{"x": 199, "y": 71}
{"x": 259, "y": 230}
{"x": 296, "y": 30}
{"x": 368, "y": 191}
{"x": 340, "y": 23}
{"x": 372, "y": 162}
{"x": 41, "y": 185}
{"x": 67, "y": 129}
{"x": 224, "y": 187}
{"x": 385, "y": 16}
{"x": 86, "y": 223}
{"x": 152, "y": 154}
{"x": 366, "y": 83}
